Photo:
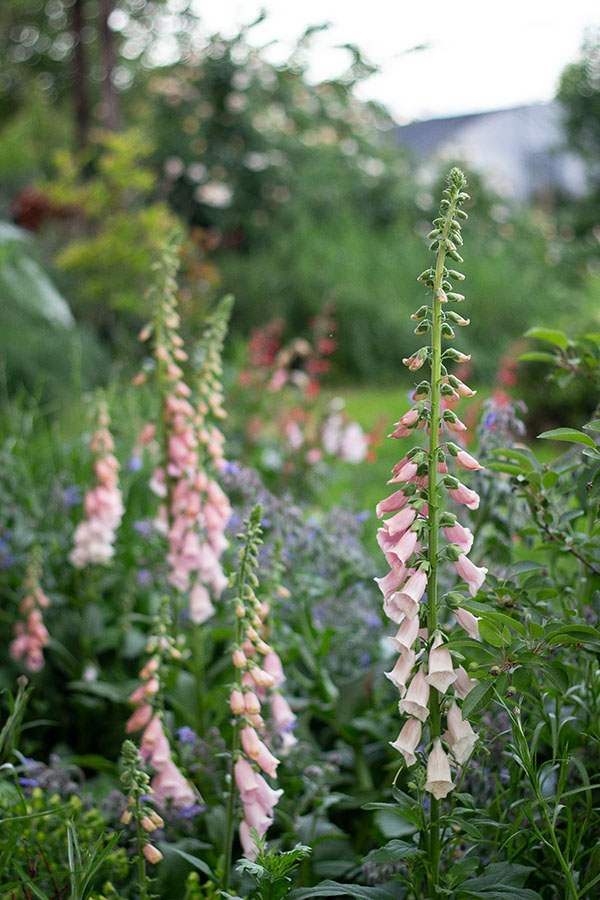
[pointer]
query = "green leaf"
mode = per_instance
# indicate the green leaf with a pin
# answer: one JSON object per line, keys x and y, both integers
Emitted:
{"x": 193, "y": 860}
{"x": 551, "y": 335}
{"x": 573, "y": 634}
{"x": 549, "y": 479}
{"x": 524, "y": 565}
{"x": 393, "y": 851}
{"x": 490, "y": 633}
{"x": 557, "y": 674}
{"x": 394, "y": 823}
{"x": 477, "y": 698}
{"x": 568, "y": 434}
{"x": 594, "y": 486}
{"x": 536, "y": 356}
{"x": 594, "y": 425}
{"x": 116, "y": 693}
{"x": 507, "y": 468}
{"x": 503, "y": 879}
{"x": 335, "y": 889}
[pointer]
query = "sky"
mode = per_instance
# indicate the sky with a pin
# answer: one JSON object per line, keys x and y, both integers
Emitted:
{"x": 478, "y": 55}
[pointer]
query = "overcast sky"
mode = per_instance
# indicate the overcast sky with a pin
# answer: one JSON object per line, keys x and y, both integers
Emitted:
{"x": 479, "y": 54}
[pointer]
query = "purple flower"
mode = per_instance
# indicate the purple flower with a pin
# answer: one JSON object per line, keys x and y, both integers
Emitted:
{"x": 135, "y": 464}
{"x": 142, "y": 527}
{"x": 372, "y": 620}
{"x": 190, "y": 811}
{"x": 186, "y": 735}
{"x": 71, "y": 496}
{"x": 365, "y": 659}
{"x": 143, "y": 577}
{"x": 362, "y": 516}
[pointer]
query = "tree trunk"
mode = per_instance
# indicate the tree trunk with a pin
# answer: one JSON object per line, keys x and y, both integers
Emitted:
{"x": 82, "y": 105}
{"x": 110, "y": 105}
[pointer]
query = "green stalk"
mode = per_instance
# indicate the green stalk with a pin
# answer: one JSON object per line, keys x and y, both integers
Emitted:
{"x": 235, "y": 746}
{"x": 434, "y": 518}
{"x": 235, "y": 743}
{"x": 140, "y": 842}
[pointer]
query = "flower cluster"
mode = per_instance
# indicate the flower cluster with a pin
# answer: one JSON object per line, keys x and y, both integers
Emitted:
{"x": 259, "y": 669}
{"x": 196, "y": 509}
{"x": 424, "y": 672}
{"x": 168, "y": 783}
{"x": 30, "y": 633}
{"x": 95, "y": 535}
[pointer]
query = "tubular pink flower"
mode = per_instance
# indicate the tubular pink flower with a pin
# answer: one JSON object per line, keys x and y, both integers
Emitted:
{"x": 246, "y": 780}
{"x": 392, "y": 582}
{"x": 407, "y": 473}
{"x": 439, "y": 779}
{"x": 460, "y": 737}
{"x": 409, "y": 597}
{"x": 139, "y": 718}
{"x": 472, "y": 574}
{"x": 463, "y": 683}
{"x": 466, "y": 461}
{"x": 403, "y": 549}
{"x": 152, "y": 853}
{"x": 265, "y": 795}
{"x": 457, "y": 534}
{"x": 266, "y": 760}
{"x": 170, "y": 785}
{"x": 400, "y": 674}
{"x": 399, "y": 523}
{"x": 463, "y": 389}
{"x": 408, "y": 740}
{"x": 250, "y": 742}
{"x": 467, "y": 621}
{"x": 272, "y": 665}
{"x": 247, "y": 841}
{"x": 256, "y": 817}
{"x": 406, "y": 634}
{"x": 455, "y": 425}
{"x": 251, "y": 703}
{"x": 416, "y": 698}
{"x": 282, "y": 713}
{"x": 237, "y": 703}
{"x": 463, "y": 494}
{"x": 440, "y": 671}
{"x": 201, "y": 607}
{"x": 391, "y": 504}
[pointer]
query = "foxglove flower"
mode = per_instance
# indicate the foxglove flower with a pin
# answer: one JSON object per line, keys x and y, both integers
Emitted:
{"x": 414, "y": 520}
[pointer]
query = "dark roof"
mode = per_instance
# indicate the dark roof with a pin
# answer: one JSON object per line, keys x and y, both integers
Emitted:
{"x": 425, "y": 137}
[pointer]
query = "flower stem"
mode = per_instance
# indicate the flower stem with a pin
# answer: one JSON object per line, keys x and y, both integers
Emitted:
{"x": 235, "y": 743}
{"x": 140, "y": 856}
{"x": 434, "y": 517}
{"x": 235, "y": 746}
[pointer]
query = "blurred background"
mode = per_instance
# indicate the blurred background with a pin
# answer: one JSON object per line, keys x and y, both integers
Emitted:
{"x": 301, "y": 148}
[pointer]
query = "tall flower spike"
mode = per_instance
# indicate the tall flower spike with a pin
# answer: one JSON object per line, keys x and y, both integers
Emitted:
{"x": 169, "y": 785}
{"x": 30, "y": 633}
{"x": 411, "y": 537}
{"x": 95, "y": 535}
{"x": 196, "y": 509}
{"x": 258, "y": 670}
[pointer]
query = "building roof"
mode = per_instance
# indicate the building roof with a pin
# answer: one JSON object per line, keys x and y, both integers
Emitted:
{"x": 521, "y": 151}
